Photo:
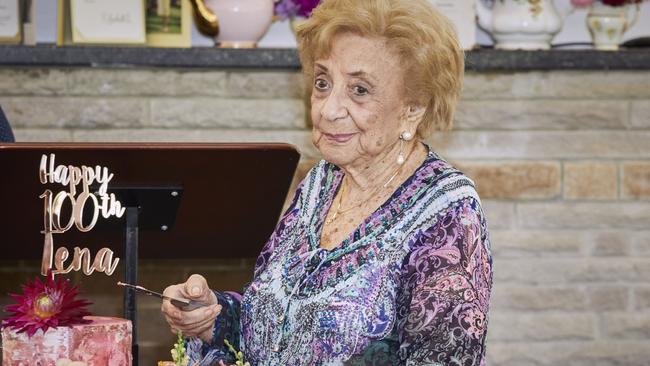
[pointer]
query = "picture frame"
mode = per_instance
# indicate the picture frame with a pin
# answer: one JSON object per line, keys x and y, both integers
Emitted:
{"x": 27, "y": 20}
{"x": 169, "y": 23}
{"x": 10, "y": 22}
{"x": 101, "y": 22}
{"x": 463, "y": 14}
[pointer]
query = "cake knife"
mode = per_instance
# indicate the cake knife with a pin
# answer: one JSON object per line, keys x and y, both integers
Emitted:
{"x": 183, "y": 304}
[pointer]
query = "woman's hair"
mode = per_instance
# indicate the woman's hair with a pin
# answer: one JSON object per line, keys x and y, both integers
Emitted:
{"x": 426, "y": 42}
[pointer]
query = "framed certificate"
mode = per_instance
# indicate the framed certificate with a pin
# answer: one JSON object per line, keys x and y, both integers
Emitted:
{"x": 10, "y": 23}
{"x": 101, "y": 22}
{"x": 463, "y": 15}
{"x": 169, "y": 23}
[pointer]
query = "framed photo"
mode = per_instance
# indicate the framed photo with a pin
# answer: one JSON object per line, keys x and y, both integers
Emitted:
{"x": 101, "y": 22}
{"x": 463, "y": 15}
{"x": 169, "y": 23}
{"x": 27, "y": 20}
{"x": 10, "y": 22}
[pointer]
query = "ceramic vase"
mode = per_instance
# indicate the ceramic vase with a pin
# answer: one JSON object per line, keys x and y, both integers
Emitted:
{"x": 607, "y": 24}
{"x": 520, "y": 24}
{"x": 242, "y": 23}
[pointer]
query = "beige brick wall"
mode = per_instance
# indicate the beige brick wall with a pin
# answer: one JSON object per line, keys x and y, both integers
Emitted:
{"x": 561, "y": 160}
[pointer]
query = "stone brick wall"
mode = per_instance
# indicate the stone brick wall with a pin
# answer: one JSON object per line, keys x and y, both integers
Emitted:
{"x": 561, "y": 160}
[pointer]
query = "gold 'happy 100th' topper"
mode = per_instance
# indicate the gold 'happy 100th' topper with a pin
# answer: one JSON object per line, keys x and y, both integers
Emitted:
{"x": 102, "y": 202}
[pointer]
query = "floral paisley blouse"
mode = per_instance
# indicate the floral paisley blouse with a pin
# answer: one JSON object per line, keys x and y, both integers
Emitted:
{"x": 410, "y": 286}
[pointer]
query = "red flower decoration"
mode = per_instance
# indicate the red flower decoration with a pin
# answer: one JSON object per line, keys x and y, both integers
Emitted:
{"x": 46, "y": 305}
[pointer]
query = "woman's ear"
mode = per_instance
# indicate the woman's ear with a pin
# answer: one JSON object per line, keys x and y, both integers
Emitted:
{"x": 411, "y": 118}
{"x": 414, "y": 116}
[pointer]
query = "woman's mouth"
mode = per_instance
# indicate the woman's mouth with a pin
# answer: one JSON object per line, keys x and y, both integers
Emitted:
{"x": 339, "y": 138}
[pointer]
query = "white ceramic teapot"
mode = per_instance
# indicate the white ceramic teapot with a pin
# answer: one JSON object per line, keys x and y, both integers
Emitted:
{"x": 520, "y": 24}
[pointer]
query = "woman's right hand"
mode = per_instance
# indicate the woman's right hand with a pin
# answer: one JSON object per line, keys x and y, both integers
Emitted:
{"x": 198, "y": 322}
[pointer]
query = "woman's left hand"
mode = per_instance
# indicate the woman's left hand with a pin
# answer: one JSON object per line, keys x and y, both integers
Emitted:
{"x": 198, "y": 322}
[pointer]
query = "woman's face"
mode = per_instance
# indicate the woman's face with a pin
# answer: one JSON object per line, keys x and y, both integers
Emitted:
{"x": 357, "y": 104}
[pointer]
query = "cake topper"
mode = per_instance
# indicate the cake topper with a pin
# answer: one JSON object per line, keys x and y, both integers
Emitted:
{"x": 71, "y": 176}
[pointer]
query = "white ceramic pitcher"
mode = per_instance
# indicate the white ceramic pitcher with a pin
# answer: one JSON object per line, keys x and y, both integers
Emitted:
{"x": 242, "y": 23}
{"x": 520, "y": 24}
{"x": 608, "y": 24}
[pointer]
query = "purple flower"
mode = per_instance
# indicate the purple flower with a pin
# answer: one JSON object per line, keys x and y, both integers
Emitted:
{"x": 287, "y": 9}
{"x": 307, "y": 6}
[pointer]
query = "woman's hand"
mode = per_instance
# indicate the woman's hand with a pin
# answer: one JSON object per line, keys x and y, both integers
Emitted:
{"x": 198, "y": 322}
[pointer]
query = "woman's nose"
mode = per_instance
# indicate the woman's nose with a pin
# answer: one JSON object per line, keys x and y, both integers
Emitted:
{"x": 334, "y": 107}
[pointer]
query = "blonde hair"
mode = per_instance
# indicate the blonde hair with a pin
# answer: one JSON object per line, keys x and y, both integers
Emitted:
{"x": 424, "y": 39}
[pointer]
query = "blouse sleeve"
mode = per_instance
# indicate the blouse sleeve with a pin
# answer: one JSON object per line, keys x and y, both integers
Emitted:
{"x": 448, "y": 279}
{"x": 227, "y": 323}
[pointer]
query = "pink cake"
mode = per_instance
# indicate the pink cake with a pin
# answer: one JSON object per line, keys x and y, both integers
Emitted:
{"x": 103, "y": 342}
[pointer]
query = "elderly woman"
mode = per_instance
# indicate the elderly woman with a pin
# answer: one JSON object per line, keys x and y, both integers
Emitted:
{"x": 382, "y": 257}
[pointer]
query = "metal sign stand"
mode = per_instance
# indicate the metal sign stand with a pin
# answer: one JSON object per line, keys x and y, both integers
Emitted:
{"x": 152, "y": 208}
{"x": 131, "y": 275}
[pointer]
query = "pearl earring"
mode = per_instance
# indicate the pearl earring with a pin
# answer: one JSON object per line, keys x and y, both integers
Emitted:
{"x": 404, "y": 136}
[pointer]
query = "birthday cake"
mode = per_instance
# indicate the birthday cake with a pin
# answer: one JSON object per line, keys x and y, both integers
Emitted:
{"x": 104, "y": 341}
{"x": 49, "y": 327}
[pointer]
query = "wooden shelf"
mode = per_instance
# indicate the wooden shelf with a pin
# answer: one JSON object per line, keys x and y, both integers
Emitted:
{"x": 280, "y": 58}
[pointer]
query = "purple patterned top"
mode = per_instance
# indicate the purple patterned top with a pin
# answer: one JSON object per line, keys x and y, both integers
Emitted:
{"x": 411, "y": 285}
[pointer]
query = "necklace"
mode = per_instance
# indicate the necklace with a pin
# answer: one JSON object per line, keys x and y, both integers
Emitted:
{"x": 375, "y": 190}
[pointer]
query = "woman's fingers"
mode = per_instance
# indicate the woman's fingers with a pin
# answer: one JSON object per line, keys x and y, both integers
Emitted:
{"x": 175, "y": 290}
{"x": 185, "y": 320}
{"x": 173, "y": 322}
{"x": 199, "y": 328}
{"x": 171, "y": 291}
{"x": 196, "y": 287}
{"x": 190, "y": 318}
{"x": 198, "y": 324}
{"x": 195, "y": 322}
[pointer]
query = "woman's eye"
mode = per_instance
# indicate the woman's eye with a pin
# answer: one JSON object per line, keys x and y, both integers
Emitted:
{"x": 359, "y": 90}
{"x": 321, "y": 84}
